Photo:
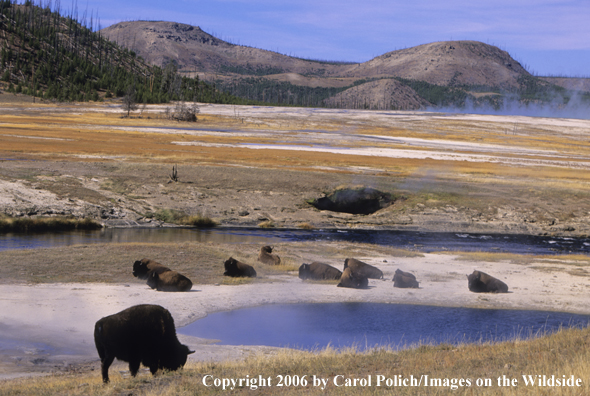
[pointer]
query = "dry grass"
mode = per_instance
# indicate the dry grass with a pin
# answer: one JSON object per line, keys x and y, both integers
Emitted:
{"x": 46, "y": 224}
{"x": 266, "y": 224}
{"x": 565, "y": 353}
{"x": 201, "y": 262}
{"x": 577, "y": 260}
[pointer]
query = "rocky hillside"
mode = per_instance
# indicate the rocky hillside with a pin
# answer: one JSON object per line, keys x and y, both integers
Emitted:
{"x": 445, "y": 63}
{"x": 436, "y": 74}
{"x": 192, "y": 49}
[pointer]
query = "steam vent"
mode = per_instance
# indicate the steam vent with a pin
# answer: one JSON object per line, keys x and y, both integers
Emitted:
{"x": 359, "y": 200}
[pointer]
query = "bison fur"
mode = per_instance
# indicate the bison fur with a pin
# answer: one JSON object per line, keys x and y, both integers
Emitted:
{"x": 363, "y": 270}
{"x": 143, "y": 334}
{"x": 319, "y": 271}
{"x": 351, "y": 280}
{"x": 169, "y": 281}
{"x": 235, "y": 268}
{"x": 480, "y": 282}
{"x": 405, "y": 280}
{"x": 266, "y": 257}
{"x": 142, "y": 268}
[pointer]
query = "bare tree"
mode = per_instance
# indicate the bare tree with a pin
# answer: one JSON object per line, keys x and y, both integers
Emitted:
{"x": 129, "y": 104}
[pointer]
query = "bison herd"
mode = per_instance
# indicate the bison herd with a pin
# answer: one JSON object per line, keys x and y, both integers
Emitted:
{"x": 145, "y": 334}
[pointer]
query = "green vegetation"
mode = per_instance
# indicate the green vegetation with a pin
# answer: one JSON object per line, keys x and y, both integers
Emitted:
{"x": 438, "y": 95}
{"x": 276, "y": 92}
{"x": 173, "y": 216}
{"x": 46, "y": 224}
{"x": 51, "y": 56}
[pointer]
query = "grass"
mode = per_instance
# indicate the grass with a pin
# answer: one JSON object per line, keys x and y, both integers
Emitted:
{"x": 576, "y": 260}
{"x": 564, "y": 353}
{"x": 198, "y": 221}
{"x": 173, "y": 216}
{"x": 46, "y": 224}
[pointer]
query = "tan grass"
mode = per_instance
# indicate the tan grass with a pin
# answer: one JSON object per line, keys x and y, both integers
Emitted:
{"x": 266, "y": 224}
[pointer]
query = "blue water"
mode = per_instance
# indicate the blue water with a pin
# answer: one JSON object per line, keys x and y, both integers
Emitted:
{"x": 421, "y": 241}
{"x": 366, "y": 325}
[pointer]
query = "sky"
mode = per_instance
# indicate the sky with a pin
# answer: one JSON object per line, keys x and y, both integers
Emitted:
{"x": 548, "y": 37}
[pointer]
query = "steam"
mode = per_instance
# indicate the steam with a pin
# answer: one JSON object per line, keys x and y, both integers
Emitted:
{"x": 575, "y": 106}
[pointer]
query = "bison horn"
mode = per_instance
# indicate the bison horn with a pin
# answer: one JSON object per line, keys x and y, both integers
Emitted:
{"x": 189, "y": 352}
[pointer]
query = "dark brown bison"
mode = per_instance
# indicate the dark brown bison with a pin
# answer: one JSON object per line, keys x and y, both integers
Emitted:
{"x": 319, "y": 271}
{"x": 236, "y": 269}
{"x": 142, "y": 334}
{"x": 141, "y": 268}
{"x": 266, "y": 257}
{"x": 349, "y": 279}
{"x": 363, "y": 270}
{"x": 169, "y": 281}
{"x": 405, "y": 280}
{"x": 480, "y": 282}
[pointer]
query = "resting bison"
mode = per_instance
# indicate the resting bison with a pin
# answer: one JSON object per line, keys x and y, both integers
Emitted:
{"x": 349, "y": 279}
{"x": 170, "y": 281}
{"x": 363, "y": 270}
{"x": 480, "y": 282}
{"x": 236, "y": 269}
{"x": 141, "y": 268}
{"x": 266, "y": 257}
{"x": 318, "y": 271}
{"x": 355, "y": 200}
{"x": 405, "y": 280}
{"x": 142, "y": 334}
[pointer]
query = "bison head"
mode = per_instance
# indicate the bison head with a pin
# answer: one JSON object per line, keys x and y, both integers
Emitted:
{"x": 304, "y": 271}
{"x": 175, "y": 359}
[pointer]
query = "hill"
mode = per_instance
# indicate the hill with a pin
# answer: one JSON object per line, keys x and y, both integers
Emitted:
{"x": 52, "y": 56}
{"x": 436, "y": 74}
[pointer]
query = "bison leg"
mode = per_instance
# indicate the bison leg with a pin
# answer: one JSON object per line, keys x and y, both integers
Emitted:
{"x": 134, "y": 366}
{"x": 153, "y": 369}
{"x": 105, "y": 363}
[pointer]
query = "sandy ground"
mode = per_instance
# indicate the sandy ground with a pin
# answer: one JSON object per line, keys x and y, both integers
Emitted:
{"x": 49, "y": 327}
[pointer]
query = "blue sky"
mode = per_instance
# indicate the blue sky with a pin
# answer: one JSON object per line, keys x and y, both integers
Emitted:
{"x": 548, "y": 37}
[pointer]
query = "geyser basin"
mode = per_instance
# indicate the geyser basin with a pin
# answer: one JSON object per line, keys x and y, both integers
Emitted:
{"x": 366, "y": 325}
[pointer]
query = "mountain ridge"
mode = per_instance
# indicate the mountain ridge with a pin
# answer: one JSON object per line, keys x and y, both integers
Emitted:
{"x": 257, "y": 73}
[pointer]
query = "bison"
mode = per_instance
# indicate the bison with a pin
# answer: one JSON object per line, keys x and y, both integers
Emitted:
{"x": 170, "y": 281}
{"x": 354, "y": 281}
{"x": 363, "y": 270}
{"x": 405, "y": 280}
{"x": 319, "y": 271}
{"x": 143, "y": 334}
{"x": 236, "y": 269}
{"x": 480, "y": 282}
{"x": 141, "y": 268}
{"x": 266, "y": 257}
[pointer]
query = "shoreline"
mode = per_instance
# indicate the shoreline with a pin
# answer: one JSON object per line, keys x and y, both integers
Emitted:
{"x": 59, "y": 317}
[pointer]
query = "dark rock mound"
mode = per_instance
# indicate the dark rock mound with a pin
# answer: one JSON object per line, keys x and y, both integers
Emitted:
{"x": 360, "y": 200}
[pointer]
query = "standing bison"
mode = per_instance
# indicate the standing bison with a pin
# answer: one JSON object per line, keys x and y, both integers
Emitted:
{"x": 319, "y": 271}
{"x": 405, "y": 280}
{"x": 143, "y": 334}
{"x": 480, "y": 282}
{"x": 141, "y": 268}
{"x": 363, "y": 270}
{"x": 266, "y": 257}
{"x": 169, "y": 281}
{"x": 351, "y": 280}
{"x": 237, "y": 269}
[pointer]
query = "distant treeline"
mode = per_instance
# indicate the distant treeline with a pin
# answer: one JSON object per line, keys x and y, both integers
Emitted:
{"x": 278, "y": 92}
{"x": 52, "y": 56}
{"x": 530, "y": 90}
